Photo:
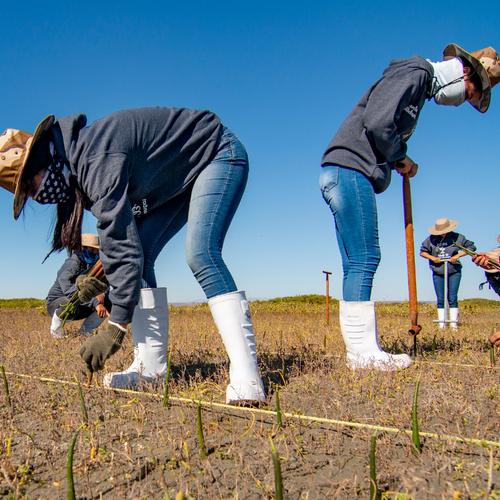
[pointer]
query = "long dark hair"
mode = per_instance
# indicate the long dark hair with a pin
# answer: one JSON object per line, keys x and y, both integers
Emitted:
{"x": 69, "y": 214}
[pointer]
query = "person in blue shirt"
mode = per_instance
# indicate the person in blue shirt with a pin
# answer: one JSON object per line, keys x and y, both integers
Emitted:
{"x": 64, "y": 287}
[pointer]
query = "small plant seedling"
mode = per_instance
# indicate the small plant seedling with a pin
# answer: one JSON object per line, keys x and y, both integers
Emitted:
{"x": 6, "y": 386}
{"x": 167, "y": 380}
{"x": 70, "y": 481}
{"x": 203, "y": 451}
{"x": 82, "y": 401}
{"x": 278, "y": 481}
{"x": 278, "y": 409}
{"x": 374, "y": 492}
{"x": 416, "y": 433}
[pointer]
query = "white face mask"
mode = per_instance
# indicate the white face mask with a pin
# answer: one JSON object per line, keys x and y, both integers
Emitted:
{"x": 448, "y": 87}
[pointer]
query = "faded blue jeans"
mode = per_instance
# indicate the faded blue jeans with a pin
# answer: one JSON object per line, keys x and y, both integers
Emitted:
{"x": 208, "y": 208}
{"x": 453, "y": 286}
{"x": 351, "y": 198}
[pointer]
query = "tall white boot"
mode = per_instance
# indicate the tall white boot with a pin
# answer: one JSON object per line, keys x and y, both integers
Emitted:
{"x": 359, "y": 329}
{"x": 90, "y": 324}
{"x": 150, "y": 337}
{"x": 454, "y": 318}
{"x": 231, "y": 314}
{"x": 56, "y": 327}
{"x": 441, "y": 318}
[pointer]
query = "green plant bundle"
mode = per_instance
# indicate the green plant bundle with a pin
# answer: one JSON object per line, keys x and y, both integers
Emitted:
{"x": 96, "y": 271}
{"x": 493, "y": 263}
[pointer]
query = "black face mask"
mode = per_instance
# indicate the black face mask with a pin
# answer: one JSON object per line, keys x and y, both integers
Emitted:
{"x": 53, "y": 188}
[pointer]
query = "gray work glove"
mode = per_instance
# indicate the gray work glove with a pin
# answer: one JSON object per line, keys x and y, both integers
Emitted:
{"x": 97, "y": 349}
{"x": 89, "y": 287}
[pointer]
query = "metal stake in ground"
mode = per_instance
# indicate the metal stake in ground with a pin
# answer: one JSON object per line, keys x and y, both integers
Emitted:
{"x": 410, "y": 258}
{"x": 327, "y": 298}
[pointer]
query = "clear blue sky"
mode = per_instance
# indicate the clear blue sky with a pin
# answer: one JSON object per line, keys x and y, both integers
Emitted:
{"x": 283, "y": 76}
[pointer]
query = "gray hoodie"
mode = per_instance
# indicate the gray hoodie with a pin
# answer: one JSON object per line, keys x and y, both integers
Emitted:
{"x": 128, "y": 163}
{"x": 374, "y": 134}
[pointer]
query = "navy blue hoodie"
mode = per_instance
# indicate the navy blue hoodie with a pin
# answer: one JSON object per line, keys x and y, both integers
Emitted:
{"x": 129, "y": 163}
{"x": 374, "y": 134}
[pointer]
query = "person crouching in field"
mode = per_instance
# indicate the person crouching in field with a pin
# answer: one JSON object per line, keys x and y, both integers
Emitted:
{"x": 144, "y": 174}
{"x": 492, "y": 273}
{"x": 64, "y": 287}
{"x": 358, "y": 164}
{"x": 441, "y": 249}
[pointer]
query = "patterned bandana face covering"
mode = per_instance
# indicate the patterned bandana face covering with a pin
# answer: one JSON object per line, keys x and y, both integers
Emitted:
{"x": 54, "y": 187}
{"x": 88, "y": 256}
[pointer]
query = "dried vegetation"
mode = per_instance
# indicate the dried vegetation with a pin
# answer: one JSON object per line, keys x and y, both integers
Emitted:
{"x": 135, "y": 448}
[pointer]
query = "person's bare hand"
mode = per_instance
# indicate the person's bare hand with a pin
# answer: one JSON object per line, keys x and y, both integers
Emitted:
{"x": 101, "y": 311}
{"x": 437, "y": 260}
{"x": 454, "y": 258}
{"x": 481, "y": 260}
{"x": 407, "y": 166}
{"x": 495, "y": 339}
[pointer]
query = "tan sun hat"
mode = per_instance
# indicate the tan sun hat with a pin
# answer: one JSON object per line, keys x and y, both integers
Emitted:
{"x": 90, "y": 240}
{"x": 443, "y": 226}
{"x": 15, "y": 147}
{"x": 487, "y": 64}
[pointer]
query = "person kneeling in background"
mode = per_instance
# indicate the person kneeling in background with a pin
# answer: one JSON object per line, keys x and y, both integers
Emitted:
{"x": 64, "y": 287}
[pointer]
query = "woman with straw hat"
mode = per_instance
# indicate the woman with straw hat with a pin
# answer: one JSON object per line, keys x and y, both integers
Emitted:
{"x": 144, "y": 174}
{"x": 64, "y": 287}
{"x": 441, "y": 249}
{"x": 358, "y": 163}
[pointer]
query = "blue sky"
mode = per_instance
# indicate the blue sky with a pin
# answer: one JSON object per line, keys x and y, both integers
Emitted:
{"x": 283, "y": 76}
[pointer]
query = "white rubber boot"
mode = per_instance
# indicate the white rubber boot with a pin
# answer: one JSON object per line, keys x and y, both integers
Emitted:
{"x": 441, "y": 318}
{"x": 90, "y": 324}
{"x": 56, "y": 327}
{"x": 231, "y": 314}
{"x": 359, "y": 329}
{"x": 150, "y": 337}
{"x": 454, "y": 318}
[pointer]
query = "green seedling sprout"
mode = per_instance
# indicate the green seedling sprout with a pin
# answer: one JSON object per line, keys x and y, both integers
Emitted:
{"x": 492, "y": 349}
{"x": 278, "y": 481}
{"x": 82, "y": 401}
{"x": 96, "y": 271}
{"x": 167, "y": 380}
{"x": 278, "y": 409}
{"x": 6, "y": 385}
{"x": 374, "y": 492}
{"x": 71, "y": 484}
{"x": 203, "y": 450}
{"x": 416, "y": 433}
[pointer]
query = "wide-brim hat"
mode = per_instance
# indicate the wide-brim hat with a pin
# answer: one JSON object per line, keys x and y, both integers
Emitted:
{"x": 15, "y": 148}
{"x": 443, "y": 226}
{"x": 90, "y": 240}
{"x": 487, "y": 64}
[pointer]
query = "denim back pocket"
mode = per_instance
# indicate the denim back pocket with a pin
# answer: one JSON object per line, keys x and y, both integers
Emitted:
{"x": 328, "y": 178}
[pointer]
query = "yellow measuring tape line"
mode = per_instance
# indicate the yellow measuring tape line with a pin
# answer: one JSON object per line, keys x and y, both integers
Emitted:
{"x": 395, "y": 430}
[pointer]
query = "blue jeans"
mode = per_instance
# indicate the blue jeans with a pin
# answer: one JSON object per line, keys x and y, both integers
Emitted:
{"x": 208, "y": 208}
{"x": 453, "y": 285}
{"x": 351, "y": 198}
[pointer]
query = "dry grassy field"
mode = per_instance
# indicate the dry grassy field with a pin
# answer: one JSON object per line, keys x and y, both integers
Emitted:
{"x": 134, "y": 447}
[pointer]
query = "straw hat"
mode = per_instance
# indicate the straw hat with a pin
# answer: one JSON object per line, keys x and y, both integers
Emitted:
{"x": 487, "y": 64}
{"x": 90, "y": 240}
{"x": 15, "y": 147}
{"x": 443, "y": 226}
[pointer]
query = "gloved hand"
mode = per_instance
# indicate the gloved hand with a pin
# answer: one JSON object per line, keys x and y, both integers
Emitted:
{"x": 89, "y": 287}
{"x": 97, "y": 349}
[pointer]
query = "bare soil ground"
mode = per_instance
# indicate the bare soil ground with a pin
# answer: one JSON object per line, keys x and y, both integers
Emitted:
{"x": 135, "y": 448}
